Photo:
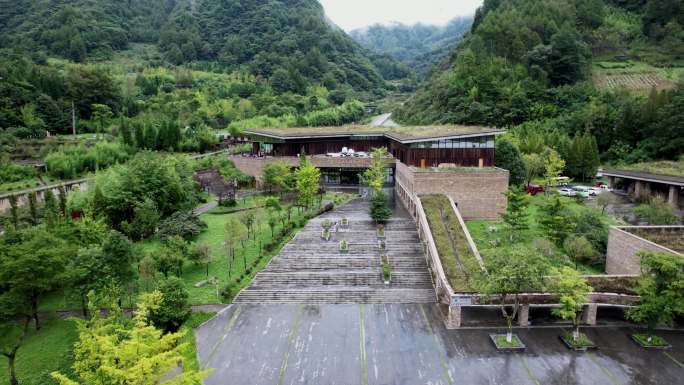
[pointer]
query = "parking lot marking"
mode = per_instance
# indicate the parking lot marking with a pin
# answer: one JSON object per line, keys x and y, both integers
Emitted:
{"x": 527, "y": 369}
{"x": 668, "y": 355}
{"x": 290, "y": 342}
{"x": 440, "y": 353}
{"x": 226, "y": 329}
{"x": 605, "y": 370}
{"x": 362, "y": 343}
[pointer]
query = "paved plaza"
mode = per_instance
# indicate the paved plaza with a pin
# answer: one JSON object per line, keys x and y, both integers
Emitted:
{"x": 392, "y": 344}
{"x": 315, "y": 316}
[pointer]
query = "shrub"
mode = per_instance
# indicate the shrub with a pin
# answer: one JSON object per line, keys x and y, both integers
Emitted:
{"x": 70, "y": 161}
{"x": 174, "y": 308}
{"x": 656, "y": 212}
{"x": 12, "y": 172}
{"x": 579, "y": 249}
{"x": 183, "y": 224}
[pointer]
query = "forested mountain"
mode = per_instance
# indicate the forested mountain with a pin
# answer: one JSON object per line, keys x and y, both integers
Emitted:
{"x": 419, "y": 46}
{"x": 290, "y": 42}
{"x": 532, "y": 66}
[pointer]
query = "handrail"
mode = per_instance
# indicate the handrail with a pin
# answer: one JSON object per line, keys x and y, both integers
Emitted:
{"x": 425, "y": 234}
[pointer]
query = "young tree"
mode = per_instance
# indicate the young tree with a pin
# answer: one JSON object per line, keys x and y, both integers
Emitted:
{"x": 374, "y": 176}
{"x": 147, "y": 270}
{"x": 112, "y": 350}
{"x": 572, "y": 290}
{"x": 661, "y": 288}
{"x": 15, "y": 318}
{"x": 174, "y": 308}
{"x": 35, "y": 266}
{"x": 235, "y": 232}
{"x": 200, "y": 254}
{"x": 277, "y": 176}
{"x": 555, "y": 221}
{"x": 118, "y": 257}
{"x": 248, "y": 218}
{"x": 379, "y": 211}
{"x": 307, "y": 180}
{"x": 516, "y": 214}
{"x": 508, "y": 157}
{"x": 604, "y": 200}
{"x": 101, "y": 113}
{"x": 553, "y": 167}
{"x": 579, "y": 249}
{"x": 512, "y": 272}
{"x": 534, "y": 165}
{"x": 177, "y": 249}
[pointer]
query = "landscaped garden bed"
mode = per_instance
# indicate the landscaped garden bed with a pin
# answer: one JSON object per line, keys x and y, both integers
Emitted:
{"x": 582, "y": 343}
{"x": 642, "y": 339}
{"x": 458, "y": 260}
{"x": 503, "y": 345}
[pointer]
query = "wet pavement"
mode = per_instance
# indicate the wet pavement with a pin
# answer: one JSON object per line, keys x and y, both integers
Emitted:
{"x": 408, "y": 344}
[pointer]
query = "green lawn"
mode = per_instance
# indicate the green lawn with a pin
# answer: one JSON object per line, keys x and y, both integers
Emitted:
{"x": 490, "y": 235}
{"x": 214, "y": 237}
{"x": 459, "y": 262}
{"x": 42, "y": 353}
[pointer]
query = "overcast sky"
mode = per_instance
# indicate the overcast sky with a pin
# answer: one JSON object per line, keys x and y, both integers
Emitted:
{"x": 351, "y": 14}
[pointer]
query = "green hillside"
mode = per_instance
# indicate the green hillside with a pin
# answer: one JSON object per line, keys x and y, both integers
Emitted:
{"x": 290, "y": 42}
{"x": 541, "y": 68}
{"x": 419, "y": 46}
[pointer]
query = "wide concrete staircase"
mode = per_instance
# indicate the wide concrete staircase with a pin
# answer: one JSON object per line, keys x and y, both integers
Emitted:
{"x": 312, "y": 270}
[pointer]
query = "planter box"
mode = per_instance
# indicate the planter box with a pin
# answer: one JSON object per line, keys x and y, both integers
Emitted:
{"x": 344, "y": 223}
{"x": 382, "y": 245}
{"x": 517, "y": 345}
{"x": 567, "y": 340}
{"x": 646, "y": 346}
{"x": 381, "y": 237}
{"x": 325, "y": 235}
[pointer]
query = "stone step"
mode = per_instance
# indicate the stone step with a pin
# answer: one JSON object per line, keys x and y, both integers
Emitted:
{"x": 354, "y": 278}
{"x": 337, "y": 296}
{"x": 299, "y": 264}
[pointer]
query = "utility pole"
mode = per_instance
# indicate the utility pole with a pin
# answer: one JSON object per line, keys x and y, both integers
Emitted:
{"x": 73, "y": 118}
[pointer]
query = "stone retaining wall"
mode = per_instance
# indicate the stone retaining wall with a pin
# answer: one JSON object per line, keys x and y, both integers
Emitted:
{"x": 623, "y": 247}
{"x": 479, "y": 194}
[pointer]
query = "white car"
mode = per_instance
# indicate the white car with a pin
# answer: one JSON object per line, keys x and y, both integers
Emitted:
{"x": 567, "y": 192}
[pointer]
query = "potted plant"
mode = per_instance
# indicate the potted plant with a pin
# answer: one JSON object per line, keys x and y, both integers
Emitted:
{"x": 659, "y": 292}
{"x": 386, "y": 270}
{"x": 511, "y": 273}
{"x": 344, "y": 247}
{"x": 382, "y": 245}
{"x": 344, "y": 223}
{"x": 381, "y": 231}
{"x": 325, "y": 234}
{"x": 572, "y": 290}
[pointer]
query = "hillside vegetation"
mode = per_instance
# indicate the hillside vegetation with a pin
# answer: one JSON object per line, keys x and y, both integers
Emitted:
{"x": 527, "y": 65}
{"x": 288, "y": 42}
{"x": 419, "y": 46}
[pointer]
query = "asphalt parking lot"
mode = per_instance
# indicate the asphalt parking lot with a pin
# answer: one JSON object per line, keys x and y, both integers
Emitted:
{"x": 408, "y": 344}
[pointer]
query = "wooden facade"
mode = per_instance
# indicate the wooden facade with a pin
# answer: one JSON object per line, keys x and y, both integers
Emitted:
{"x": 405, "y": 153}
{"x": 433, "y": 157}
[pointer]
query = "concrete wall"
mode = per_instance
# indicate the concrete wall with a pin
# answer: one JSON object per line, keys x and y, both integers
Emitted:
{"x": 22, "y": 196}
{"x": 622, "y": 252}
{"x": 479, "y": 194}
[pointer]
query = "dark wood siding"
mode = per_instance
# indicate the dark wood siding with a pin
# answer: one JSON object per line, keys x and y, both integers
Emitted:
{"x": 468, "y": 157}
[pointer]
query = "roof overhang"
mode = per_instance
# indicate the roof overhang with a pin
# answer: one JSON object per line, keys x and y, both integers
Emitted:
{"x": 386, "y": 134}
